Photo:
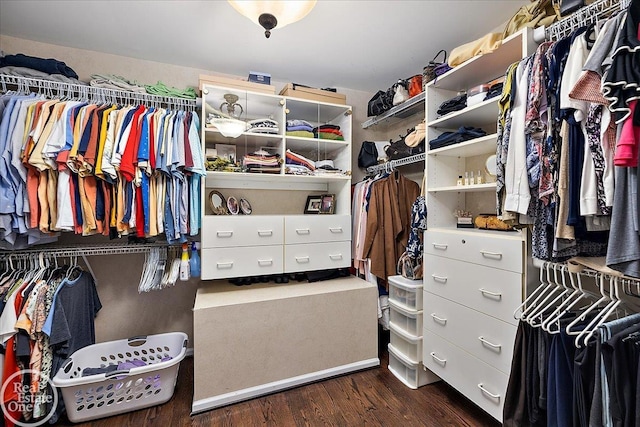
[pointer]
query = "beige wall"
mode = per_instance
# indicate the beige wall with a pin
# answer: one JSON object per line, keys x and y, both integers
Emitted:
{"x": 126, "y": 313}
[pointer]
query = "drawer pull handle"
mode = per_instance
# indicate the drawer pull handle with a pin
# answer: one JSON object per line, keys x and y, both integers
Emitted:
{"x": 222, "y": 265}
{"x": 336, "y": 256}
{"x": 440, "y": 279}
{"x": 439, "y": 319}
{"x": 302, "y": 259}
{"x": 437, "y": 359}
{"x": 265, "y": 262}
{"x": 224, "y": 233}
{"x": 488, "y": 393}
{"x": 488, "y": 254}
{"x": 492, "y": 294}
{"x": 303, "y": 231}
{"x": 335, "y": 229}
{"x": 265, "y": 232}
{"x": 490, "y": 344}
{"x": 440, "y": 246}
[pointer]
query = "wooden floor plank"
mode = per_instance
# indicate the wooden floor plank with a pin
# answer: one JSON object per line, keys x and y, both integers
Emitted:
{"x": 373, "y": 397}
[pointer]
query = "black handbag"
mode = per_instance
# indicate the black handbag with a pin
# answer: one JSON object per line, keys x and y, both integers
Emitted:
{"x": 380, "y": 103}
{"x": 368, "y": 155}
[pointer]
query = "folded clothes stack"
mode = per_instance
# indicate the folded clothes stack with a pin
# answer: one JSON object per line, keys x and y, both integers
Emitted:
{"x": 299, "y": 128}
{"x": 12, "y": 70}
{"x": 454, "y": 104}
{"x": 494, "y": 90}
{"x": 297, "y": 163}
{"x": 49, "y": 66}
{"x": 110, "y": 81}
{"x": 164, "y": 90}
{"x": 328, "y": 132}
{"x": 261, "y": 162}
{"x": 464, "y": 133}
{"x": 263, "y": 126}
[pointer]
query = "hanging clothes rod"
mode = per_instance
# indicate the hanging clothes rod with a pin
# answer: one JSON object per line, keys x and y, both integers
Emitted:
{"x": 585, "y": 16}
{"x": 88, "y": 250}
{"x": 392, "y": 164}
{"x": 95, "y": 94}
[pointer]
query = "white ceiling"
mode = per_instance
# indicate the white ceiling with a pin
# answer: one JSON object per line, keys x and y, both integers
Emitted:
{"x": 362, "y": 45}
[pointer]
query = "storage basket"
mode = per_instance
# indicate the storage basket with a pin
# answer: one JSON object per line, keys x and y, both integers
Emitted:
{"x": 116, "y": 392}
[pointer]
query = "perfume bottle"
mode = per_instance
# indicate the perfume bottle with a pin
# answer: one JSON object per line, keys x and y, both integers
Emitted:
{"x": 459, "y": 182}
{"x": 479, "y": 178}
{"x": 472, "y": 179}
{"x": 466, "y": 178}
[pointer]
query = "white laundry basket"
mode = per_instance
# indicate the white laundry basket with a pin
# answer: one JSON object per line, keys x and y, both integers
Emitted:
{"x": 102, "y": 395}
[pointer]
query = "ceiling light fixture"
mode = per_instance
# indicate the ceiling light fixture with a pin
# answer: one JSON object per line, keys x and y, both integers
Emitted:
{"x": 269, "y": 14}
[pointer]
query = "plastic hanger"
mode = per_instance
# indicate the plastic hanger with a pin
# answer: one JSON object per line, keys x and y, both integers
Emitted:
{"x": 562, "y": 309}
{"x": 536, "y": 318}
{"x": 584, "y": 336}
{"x": 605, "y": 298}
{"x": 549, "y": 290}
{"x": 533, "y": 295}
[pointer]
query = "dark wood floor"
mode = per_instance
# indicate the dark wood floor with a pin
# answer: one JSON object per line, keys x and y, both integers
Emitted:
{"x": 373, "y": 397}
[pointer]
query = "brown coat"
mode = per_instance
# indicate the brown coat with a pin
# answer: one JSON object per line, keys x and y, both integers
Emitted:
{"x": 388, "y": 222}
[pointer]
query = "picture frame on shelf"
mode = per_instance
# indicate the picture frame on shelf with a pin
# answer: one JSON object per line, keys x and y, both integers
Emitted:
{"x": 313, "y": 205}
{"x": 328, "y": 205}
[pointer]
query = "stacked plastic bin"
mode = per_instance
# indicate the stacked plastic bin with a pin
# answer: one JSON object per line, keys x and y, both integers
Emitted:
{"x": 405, "y": 324}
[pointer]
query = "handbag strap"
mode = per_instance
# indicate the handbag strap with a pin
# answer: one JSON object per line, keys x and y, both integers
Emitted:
{"x": 438, "y": 54}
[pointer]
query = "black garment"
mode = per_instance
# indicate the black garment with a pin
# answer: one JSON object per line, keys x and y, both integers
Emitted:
{"x": 50, "y": 66}
{"x": 454, "y": 104}
{"x": 584, "y": 383}
{"x": 464, "y": 133}
{"x": 514, "y": 411}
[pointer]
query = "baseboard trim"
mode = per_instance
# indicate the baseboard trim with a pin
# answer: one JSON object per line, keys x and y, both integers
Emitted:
{"x": 252, "y": 392}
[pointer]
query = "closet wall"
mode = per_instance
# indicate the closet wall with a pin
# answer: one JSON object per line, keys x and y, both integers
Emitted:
{"x": 126, "y": 313}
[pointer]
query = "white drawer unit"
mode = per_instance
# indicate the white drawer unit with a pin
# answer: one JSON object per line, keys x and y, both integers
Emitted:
{"x": 229, "y": 231}
{"x": 483, "y": 384}
{"x": 406, "y": 292}
{"x": 317, "y": 228}
{"x": 411, "y": 374}
{"x": 489, "y": 290}
{"x": 490, "y": 250}
{"x": 409, "y": 345}
{"x": 487, "y": 338}
{"x": 410, "y": 321}
{"x": 317, "y": 256}
{"x": 219, "y": 263}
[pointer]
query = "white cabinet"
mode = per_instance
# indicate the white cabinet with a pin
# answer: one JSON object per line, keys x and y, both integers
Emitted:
{"x": 297, "y": 242}
{"x": 473, "y": 279}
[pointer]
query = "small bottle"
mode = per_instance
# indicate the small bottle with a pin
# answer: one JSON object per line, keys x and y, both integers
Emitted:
{"x": 184, "y": 263}
{"x": 459, "y": 180}
{"x": 466, "y": 178}
{"x": 194, "y": 262}
{"x": 472, "y": 179}
{"x": 479, "y": 178}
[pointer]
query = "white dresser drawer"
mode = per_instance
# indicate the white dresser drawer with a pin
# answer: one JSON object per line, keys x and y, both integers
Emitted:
{"x": 493, "y": 250}
{"x": 487, "y": 338}
{"x": 228, "y": 231}
{"x": 317, "y": 256}
{"x": 220, "y": 263}
{"x": 488, "y": 290}
{"x": 317, "y": 228}
{"x": 483, "y": 384}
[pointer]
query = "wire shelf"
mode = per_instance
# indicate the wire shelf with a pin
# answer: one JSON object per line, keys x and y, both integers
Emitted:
{"x": 96, "y": 94}
{"x": 87, "y": 250}
{"x": 585, "y": 16}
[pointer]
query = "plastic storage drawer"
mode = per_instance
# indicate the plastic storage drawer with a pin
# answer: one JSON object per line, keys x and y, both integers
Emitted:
{"x": 410, "y": 346}
{"x": 96, "y": 396}
{"x": 406, "y": 292}
{"x": 410, "y": 321}
{"x": 411, "y": 374}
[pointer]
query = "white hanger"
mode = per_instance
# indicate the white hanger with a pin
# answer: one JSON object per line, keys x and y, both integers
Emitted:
{"x": 592, "y": 307}
{"x": 567, "y": 304}
{"x": 599, "y": 319}
{"x": 544, "y": 306}
{"x": 533, "y": 295}
{"x": 549, "y": 290}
